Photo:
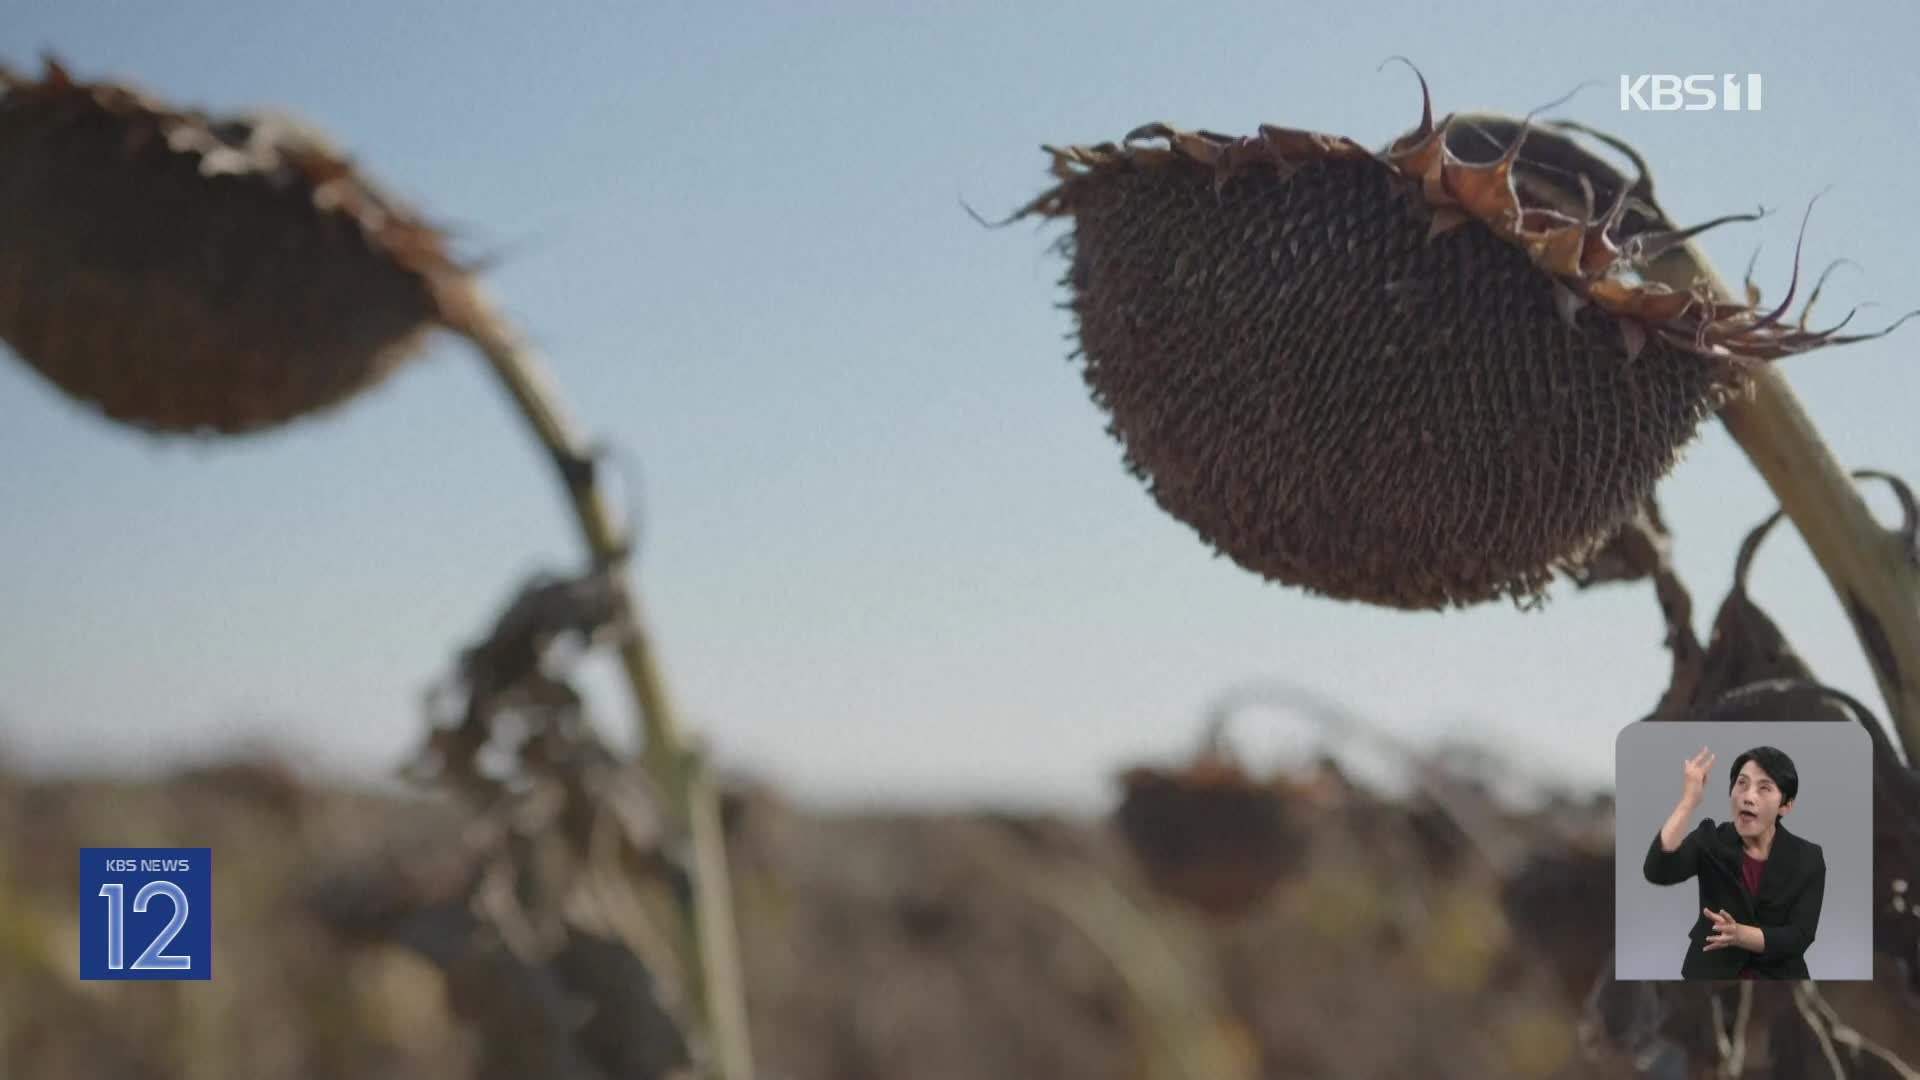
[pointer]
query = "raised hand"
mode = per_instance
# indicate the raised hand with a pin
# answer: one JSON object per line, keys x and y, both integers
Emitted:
{"x": 1674, "y": 832}
{"x": 1694, "y": 775}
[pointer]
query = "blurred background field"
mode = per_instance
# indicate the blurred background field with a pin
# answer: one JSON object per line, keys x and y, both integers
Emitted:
{"x": 879, "y": 944}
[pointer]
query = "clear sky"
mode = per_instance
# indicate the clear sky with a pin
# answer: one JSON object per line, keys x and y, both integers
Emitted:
{"x": 889, "y": 550}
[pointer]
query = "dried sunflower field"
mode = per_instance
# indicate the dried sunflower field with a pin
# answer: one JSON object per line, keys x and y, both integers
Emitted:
{"x": 1436, "y": 371}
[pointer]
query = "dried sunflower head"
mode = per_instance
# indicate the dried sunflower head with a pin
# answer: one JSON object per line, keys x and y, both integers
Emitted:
{"x": 189, "y": 273}
{"x": 1207, "y": 834}
{"x": 1418, "y": 377}
{"x": 1564, "y": 894}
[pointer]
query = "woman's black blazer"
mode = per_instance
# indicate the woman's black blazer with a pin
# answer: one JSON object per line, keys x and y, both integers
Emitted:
{"x": 1787, "y": 911}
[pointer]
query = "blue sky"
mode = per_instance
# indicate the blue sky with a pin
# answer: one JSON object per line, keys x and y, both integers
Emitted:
{"x": 888, "y": 551}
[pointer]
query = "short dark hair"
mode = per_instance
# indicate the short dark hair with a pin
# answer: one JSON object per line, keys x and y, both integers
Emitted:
{"x": 1775, "y": 763}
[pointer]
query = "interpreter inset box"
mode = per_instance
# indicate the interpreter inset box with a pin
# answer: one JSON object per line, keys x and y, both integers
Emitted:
{"x": 1743, "y": 850}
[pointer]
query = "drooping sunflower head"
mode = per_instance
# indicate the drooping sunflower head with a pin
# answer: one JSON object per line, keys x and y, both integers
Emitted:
{"x": 188, "y": 273}
{"x": 1421, "y": 377}
{"x": 1208, "y": 834}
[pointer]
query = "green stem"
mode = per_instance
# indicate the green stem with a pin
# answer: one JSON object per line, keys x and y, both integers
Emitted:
{"x": 711, "y": 957}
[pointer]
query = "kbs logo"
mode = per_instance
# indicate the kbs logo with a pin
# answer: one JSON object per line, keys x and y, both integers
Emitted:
{"x": 1689, "y": 93}
{"x": 146, "y": 913}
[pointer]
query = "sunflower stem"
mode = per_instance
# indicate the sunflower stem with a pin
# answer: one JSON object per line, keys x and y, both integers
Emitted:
{"x": 1867, "y": 565}
{"x": 710, "y": 951}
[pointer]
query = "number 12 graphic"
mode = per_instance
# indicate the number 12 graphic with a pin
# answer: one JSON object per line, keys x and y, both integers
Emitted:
{"x": 152, "y": 959}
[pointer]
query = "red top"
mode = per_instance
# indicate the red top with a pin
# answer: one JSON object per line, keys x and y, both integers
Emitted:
{"x": 1751, "y": 870}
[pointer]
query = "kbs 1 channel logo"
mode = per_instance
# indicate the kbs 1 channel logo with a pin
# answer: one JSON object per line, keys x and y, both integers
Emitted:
{"x": 1690, "y": 93}
{"x": 146, "y": 913}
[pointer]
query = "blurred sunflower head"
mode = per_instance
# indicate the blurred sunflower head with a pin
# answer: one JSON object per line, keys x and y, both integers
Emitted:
{"x": 182, "y": 272}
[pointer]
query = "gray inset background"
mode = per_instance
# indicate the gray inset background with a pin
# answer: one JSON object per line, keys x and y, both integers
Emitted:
{"x": 1834, "y": 809}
